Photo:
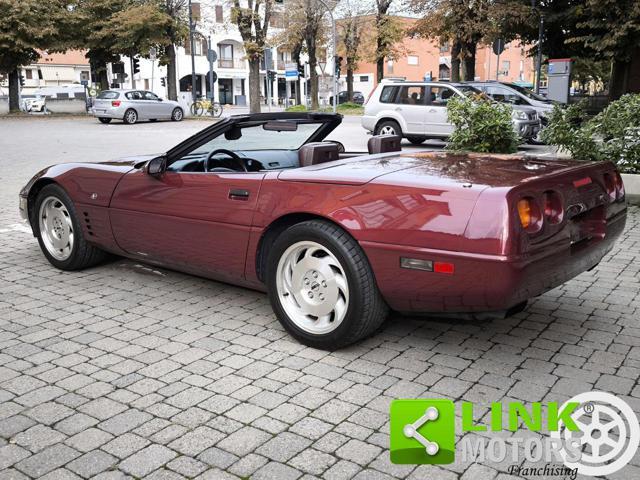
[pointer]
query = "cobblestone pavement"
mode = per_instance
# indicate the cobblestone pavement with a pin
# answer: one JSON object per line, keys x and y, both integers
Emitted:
{"x": 125, "y": 370}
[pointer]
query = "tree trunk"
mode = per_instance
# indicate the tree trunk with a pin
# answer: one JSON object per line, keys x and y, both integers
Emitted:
{"x": 14, "y": 90}
{"x": 455, "y": 61}
{"x": 102, "y": 79}
{"x": 314, "y": 86}
{"x": 469, "y": 63}
{"x": 254, "y": 84}
{"x": 349, "y": 84}
{"x": 172, "y": 89}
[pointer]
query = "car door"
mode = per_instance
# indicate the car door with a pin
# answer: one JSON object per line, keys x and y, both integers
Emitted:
{"x": 193, "y": 221}
{"x": 436, "y": 122}
{"x": 410, "y": 104}
{"x": 156, "y": 107}
{"x": 135, "y": 100}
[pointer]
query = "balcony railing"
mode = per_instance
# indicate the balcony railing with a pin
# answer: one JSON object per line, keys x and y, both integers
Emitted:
{"x": 231, "y": 63}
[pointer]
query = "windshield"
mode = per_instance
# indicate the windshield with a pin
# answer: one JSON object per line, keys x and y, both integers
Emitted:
{"x": 528, "y": 93}
{"x": 254, "y": 137}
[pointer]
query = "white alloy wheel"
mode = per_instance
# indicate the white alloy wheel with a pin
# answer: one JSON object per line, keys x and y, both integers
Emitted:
{"x": 56, "y": 228}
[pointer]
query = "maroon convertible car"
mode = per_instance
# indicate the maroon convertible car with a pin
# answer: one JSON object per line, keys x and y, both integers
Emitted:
{"x": 335, "y": 238}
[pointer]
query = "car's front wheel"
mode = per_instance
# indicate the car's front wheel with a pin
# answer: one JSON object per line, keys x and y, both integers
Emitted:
{"x": 104, "y": 120}
{"x": 321, "y": 286}
{"x": 177, "y": 115}
{"x": 59, "y": 231}
{"x": 388, "y": 127}
{"x": 130, "y": 116}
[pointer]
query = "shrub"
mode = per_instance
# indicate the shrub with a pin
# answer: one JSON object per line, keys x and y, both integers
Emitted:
{"x": 613, "y": 134}
{"x": 296, "y": 108}
{"x": 481, "y": 125}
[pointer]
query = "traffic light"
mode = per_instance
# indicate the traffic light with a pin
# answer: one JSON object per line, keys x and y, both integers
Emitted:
{"x": 271, "y": 75}
{"x": 163, "y": 81}
{"x": 136, "y": 65}
{"x": 22, "y": 80}
{"x": 301, "y": 70}
{"x": 338, "y": 65}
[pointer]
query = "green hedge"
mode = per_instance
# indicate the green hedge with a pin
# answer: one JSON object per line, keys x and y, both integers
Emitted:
{"x": 481, "y": 125}
{"x": 613, "y": 134}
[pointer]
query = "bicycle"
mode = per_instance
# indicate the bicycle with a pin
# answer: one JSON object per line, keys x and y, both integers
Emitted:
{"x": 203, "y": 105}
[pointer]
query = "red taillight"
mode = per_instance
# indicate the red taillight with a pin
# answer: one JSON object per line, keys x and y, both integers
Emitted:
{"x": 115, "y": 103}
{"x": 610, "y": 186}
{"x": 529, "y": 213}
{"x": 619, "y": 187}
{"x": 553, "y": 208}
{"x": 443, "y": 267}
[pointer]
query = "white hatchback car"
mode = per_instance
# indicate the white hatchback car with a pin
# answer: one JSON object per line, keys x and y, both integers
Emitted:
{"x": 418, "y": 111}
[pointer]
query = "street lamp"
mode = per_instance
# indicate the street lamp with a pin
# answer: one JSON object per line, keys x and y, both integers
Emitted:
{"x": 539, "y": 56}
{"x": 335, "y": 54}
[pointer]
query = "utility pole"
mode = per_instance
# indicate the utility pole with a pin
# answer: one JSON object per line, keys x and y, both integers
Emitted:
{"x": 539, "y": 55}
{"x": 210, "y": 56}
{"x": 194, "y": 93}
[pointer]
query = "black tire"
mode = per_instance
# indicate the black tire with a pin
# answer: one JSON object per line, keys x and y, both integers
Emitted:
{"x": 83, "y": 254}
{"x": 416, "y": 140}
{"x": 104, "y": 120}
{"x": 177, "y": 115}
{"x": 366, "y": 310}
{"x": 130, "y": 116}
{"x": 388, "y": 127}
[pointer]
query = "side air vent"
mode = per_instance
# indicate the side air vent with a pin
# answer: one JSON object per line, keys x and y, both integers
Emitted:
{"x": 87, "y": 221}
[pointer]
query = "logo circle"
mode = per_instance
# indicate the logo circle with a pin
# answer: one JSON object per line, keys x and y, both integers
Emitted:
{"x": 596, "y": 433}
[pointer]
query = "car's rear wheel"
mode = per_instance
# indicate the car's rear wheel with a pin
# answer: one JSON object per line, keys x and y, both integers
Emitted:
{"x": 177, "y": 115}
{"x": 388, "y": 127}
{"x": 59, "y": 231}
{"x": 130, "y": 116}
{"x": 321, "y": 286}
{"x": 104, "y": 120}
{"x": 416, "y": 140}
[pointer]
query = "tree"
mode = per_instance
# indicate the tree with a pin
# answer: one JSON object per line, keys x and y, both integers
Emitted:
{"x": 25, "y": 27}
{"x": 388, "y": 34}
{"x": 611, "y": 30}
{"x": 252, "y": 21}
{"x": 465, "y": 24}
{"x": 176, "y": 32}
{"x": 351, "y": 26}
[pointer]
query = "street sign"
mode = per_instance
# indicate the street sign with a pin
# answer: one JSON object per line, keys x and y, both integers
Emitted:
{"x": 153, "y": 53}
{"x": 212, "y": 56}
{"x": 291, "y": 71}
{"x": 93, "y": 92}
{"x": 498, "y": 46}
{"x": 214, "y": 77}
{"x": 84, "y": 82}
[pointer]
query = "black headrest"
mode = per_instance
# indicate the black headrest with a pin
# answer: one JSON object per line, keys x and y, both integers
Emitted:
{"x": 317, "y": 152}
{"x": 384, "y": 144}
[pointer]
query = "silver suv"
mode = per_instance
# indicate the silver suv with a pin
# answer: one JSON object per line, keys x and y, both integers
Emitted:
{"x": 418, "y": 110}
{"x": 133, "y": 105}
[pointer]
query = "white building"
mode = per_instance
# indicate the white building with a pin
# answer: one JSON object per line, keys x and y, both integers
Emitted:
{"x": 231, "y": 66}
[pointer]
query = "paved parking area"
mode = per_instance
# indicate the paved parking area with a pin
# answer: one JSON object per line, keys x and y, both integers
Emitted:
{"x": 126, "y": 370}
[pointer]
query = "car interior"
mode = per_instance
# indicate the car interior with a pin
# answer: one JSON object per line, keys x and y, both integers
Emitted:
{"x": 271, "y": 145}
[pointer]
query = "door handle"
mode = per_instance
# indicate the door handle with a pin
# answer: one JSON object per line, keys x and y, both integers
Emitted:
{"x": 433, "y": 110}
{"x": 238, "y": 194}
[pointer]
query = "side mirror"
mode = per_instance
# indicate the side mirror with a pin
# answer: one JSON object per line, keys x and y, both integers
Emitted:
{"x": 159, "y": 99}
{"x": 156, "y": 166}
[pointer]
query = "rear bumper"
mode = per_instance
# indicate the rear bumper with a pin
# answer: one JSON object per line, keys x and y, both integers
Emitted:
{"x": 369, "y": 122}
{"x": 108, "y": 112}
{"x": 527, "y": 129}
{"x": 482, "y": 283}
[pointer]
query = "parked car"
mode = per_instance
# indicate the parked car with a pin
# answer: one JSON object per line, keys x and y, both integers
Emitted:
{"x": 35, "y": 104}
{"x": 336, "y": 238}
{"x": 343, "y": 97}
{"x": 131, "y": 106}
{"x": 518, "y": 95}
{"x": 418, "y": 110}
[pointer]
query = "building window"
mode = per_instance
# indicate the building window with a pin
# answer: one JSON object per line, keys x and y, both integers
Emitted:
{"x": 506, "y": 66}
{"x": 276, "y": 20}
{"x": 364, "y": 78}
{"x": 28, "y": 74}
{"x": 225, "y": 51}
{"x": 219, "y": 16}
{"x": 445, "y": 47}
{"x": 412, "y": 60}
